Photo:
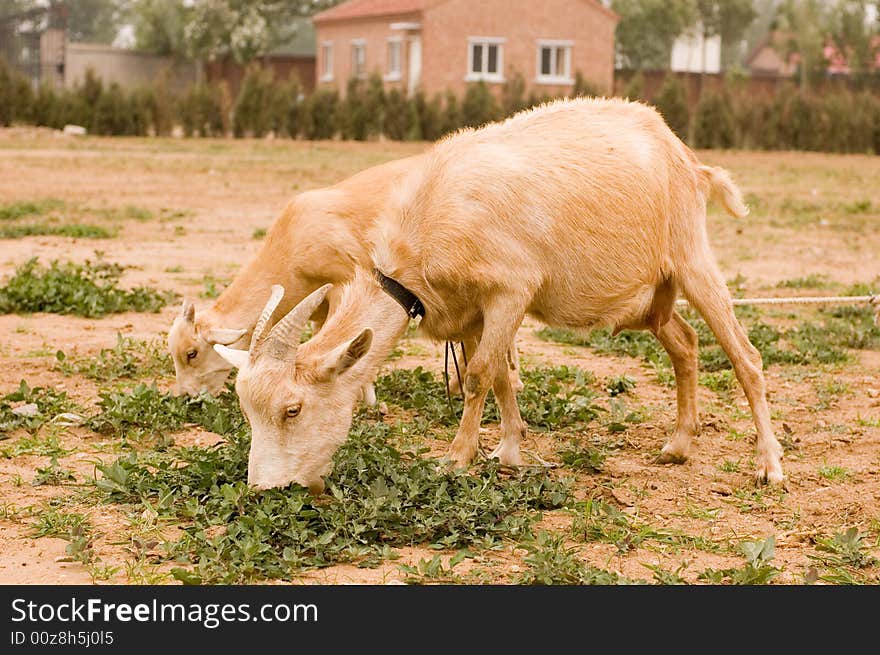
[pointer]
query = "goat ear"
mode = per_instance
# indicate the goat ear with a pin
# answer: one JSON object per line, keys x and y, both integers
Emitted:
{"x": 348, "y": 354}
{"x": 223, "y": 336}
{"x": 238, "y": 358}
{"x": 188, "y": 311}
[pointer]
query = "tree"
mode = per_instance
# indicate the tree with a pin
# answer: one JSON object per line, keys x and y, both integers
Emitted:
{"x": 728, "y": 19}
{"x": 243, "y": 29}
{"x": 159, "y": 26}
{"x": 803, "y": 23}
{"x": 12, "y": 7}
{"x": 852, "y": 32}
{"x": 648, "y": 28}
{"x": 95, "y": 21}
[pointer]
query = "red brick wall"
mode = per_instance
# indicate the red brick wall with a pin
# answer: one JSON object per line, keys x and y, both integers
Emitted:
{"x": 447, "y": 26}
{"x": 375, "y": 33}
{"x": 283, "y": 68}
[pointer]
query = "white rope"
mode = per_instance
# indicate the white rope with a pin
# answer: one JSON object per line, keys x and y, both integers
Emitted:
{"x": 799, "y": 300}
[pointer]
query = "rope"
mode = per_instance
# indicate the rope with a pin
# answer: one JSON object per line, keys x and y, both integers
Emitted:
{"x": 799, "y": 300}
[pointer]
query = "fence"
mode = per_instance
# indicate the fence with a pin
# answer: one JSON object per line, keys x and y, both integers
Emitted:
{"x": 33, "y": 42}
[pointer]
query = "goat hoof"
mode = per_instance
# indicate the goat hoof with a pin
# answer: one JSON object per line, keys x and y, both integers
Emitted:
{"x": 507, "y": 457}
{"x": 671, "y": 457}
{"x": 770, "y": 473}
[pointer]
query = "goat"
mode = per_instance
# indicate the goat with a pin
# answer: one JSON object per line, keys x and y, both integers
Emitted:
{"x": 581, "y": 213}
{"x": 319, "y": 238}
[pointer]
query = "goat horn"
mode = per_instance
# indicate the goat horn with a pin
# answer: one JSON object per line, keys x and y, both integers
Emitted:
{"x": 268, "y": 310}
{"x": 286, "y": 333}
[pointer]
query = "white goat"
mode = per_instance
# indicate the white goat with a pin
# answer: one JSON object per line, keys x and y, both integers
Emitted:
{"x": 580, "y": 213}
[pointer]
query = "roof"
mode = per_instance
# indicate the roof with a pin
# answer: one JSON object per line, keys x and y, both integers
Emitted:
{"x": 371, "y": 8}
{"x": 354, "y": 9}
{"x": 300, "y": 40}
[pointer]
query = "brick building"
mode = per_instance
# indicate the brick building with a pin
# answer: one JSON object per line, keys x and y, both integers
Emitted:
{"x": 440, "y": 45}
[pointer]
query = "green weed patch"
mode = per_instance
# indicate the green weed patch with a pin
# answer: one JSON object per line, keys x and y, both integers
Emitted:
{"x": 88, "y": 290}
{"x": 378, "y": 498}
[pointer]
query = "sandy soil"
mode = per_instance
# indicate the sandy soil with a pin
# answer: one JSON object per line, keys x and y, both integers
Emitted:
{"x": 208, "y": 197}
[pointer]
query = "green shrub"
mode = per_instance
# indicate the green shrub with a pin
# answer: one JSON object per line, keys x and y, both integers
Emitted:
{"x": 513, "y": 95}
{"x": 714, "y": 125}
{"x": 252, "y": 114}
{"x": 635, "y": 87}
{"x": 287, "y": 108}
{"x": 113, "y": 113}
{"x": 318, "y": 117}
{"x": 671, "y": 102}
{"x": 452, "y": 115}
{"x": 583, "y": 87}
{"x": 397, "y": 115}
{"x": 479, "y": 106}
{"x": 16, "y": 96}
{"x": 201, "y": 112}
{"x": 427, "y": 122}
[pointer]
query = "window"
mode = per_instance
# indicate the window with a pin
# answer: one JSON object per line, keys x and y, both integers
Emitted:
{"x": 554, "y": 62}
{"x": 327, "y": 61}
{"x": 392, "y": 66}
{"x": 358, "y": 58}
{"x": 485, "y": 59}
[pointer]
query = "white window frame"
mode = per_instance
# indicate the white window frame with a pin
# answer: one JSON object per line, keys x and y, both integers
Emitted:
{"x": 390, "y": 74}
{"x": 362, "y": 44}
{"x": 555, "y": 77}
{"x": 485, "y": 76}
{"x": 326, "y": 58}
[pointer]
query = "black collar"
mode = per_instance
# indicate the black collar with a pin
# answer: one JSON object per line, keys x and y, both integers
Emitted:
{"x": 406, "y": 298}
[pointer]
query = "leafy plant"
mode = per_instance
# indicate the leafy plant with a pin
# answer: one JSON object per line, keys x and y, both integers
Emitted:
{"x": 553, "y": 398}
{"x": 757, "y": 569}
{"x": 433, "y": 569}
{"x": 620, "y": 384}
{"x": 30, "y": 408}
{"x": 129, "y": 358}
{"x": 599, "y": 521}
{"x": 52, "y": 474}
{"x": 551, "y": 562}
{"x": 583, "y": 458}
{"x": 87, "y": 289}
{"x": 378, "y": 497}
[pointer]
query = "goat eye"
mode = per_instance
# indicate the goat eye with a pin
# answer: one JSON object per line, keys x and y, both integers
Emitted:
{"x": 191, "y": 353}
{"x": 293, "y": 411}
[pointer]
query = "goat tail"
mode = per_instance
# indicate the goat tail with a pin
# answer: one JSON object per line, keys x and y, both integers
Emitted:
{"x": 723, "y": 190}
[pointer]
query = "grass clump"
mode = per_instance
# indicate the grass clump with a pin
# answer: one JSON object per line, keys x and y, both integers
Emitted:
{"x": 88, "y": 290}
{"x": 73, "y": 527}
{"x": 129, "y": 358}
{"x": 74, "y": 230}
{"x": 21, "y": 209}
{"x": 378, "y": 498}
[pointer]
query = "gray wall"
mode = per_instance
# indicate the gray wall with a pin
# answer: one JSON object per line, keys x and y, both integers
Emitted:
{"x": 127, "y": 68}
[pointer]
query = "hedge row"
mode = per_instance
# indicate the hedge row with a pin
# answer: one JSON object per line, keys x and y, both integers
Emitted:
{"x": 841, "y": 121}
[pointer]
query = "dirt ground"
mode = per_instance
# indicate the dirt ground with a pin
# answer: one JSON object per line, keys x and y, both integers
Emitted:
{"x": 812, "y": 215}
